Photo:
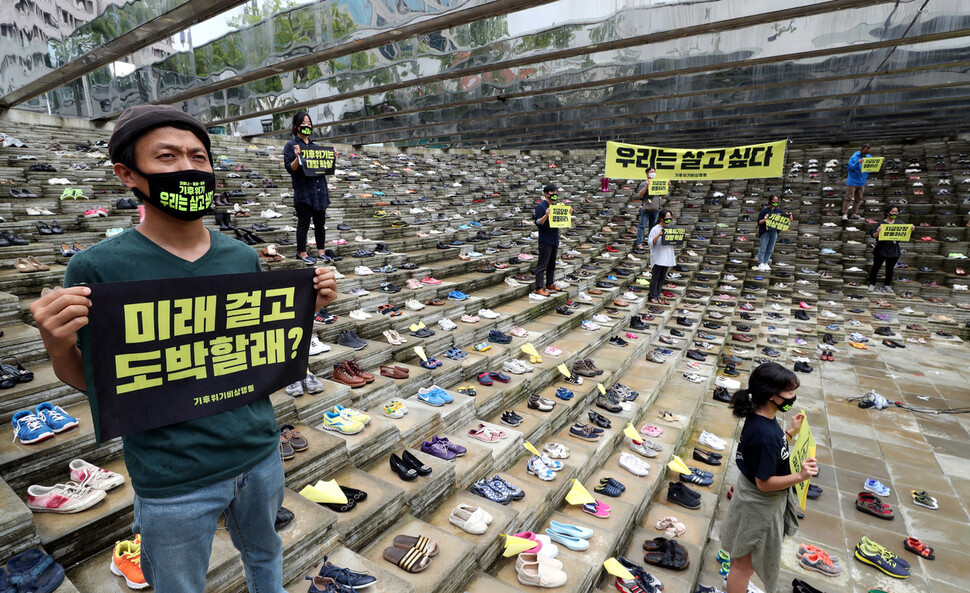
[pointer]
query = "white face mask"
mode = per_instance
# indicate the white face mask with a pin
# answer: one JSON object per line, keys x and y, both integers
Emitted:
{"x": 652, "y": 175}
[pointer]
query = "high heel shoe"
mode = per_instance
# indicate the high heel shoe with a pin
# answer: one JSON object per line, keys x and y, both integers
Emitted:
{"x": 403, "y": 471}
{"x": 56, "y": 228}
{"x": 414, "y": 463}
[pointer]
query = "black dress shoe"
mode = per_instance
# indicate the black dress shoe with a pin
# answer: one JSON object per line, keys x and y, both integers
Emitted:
{"x": 706, "y": 457}
{"x": 283, "y": 518}
{"x": 599, "y": 419}
{"x": 414, "y": 463}
{"x": 677, "y": 333}
{"x": 341, "y": 508}
{"x": 722, "y": 395}
{"x": 695, "y": 355}
{"x": 353, "y": 493}
{"x": 403, "y": 471}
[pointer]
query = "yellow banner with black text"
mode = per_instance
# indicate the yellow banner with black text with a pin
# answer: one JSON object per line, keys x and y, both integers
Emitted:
{"x": 754, "y": 161}
{"x": 188, "y": 348}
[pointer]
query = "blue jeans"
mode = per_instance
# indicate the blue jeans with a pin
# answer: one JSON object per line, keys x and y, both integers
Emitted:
{"x": 648, "y": 218}
{"x": 767, "y": 245}
{"x": 177, "y": 532}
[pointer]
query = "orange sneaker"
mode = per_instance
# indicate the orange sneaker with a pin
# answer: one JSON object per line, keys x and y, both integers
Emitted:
{"x": 126, "y": 562}
{"x": 858, "y": 345}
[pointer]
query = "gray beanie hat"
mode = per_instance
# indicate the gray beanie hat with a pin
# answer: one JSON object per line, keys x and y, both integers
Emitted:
{"x": 135, "y": 121}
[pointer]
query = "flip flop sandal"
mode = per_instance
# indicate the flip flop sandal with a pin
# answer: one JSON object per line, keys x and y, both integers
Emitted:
{"x": 917, "y": 547}
{"x": 722, "y": 557}
{"x": 654, "y": 545}
{"x": 724, "y": 569}
{"x": 666, "y": 416}
{"x": 35, "y": 571}
{"x": 412, "y": 560}
{"x": 425, "y": 544}
{"x": 467, "y": 390}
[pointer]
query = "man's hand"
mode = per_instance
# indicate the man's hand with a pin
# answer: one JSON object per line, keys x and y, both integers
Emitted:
{"x": 325, "y": 285}
{"x": 59, "y": 315}
{"x": 296, "y": 150}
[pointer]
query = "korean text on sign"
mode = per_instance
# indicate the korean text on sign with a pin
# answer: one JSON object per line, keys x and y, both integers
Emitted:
{"x": 895, "y": 232}
{"x": 754, "y": 161}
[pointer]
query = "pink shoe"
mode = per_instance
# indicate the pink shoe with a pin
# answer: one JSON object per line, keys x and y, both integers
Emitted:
{"x": 414, "y": 283}
{"x": 632, "y": 336}
{"x": 482, "y": 434}
{"x": 553, "y": 351}
{"x": 651, "y": 431}
{"x": 519, "y": 332}
{"x": 804, "y": 305}
{"x": 597, "y": 509}
{"x": 430, "y": 280}
{"x": 90, "y": 213}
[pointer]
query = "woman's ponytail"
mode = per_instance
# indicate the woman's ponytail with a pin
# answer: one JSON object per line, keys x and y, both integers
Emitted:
{"x": 741, "y": 404}
{"x": 768, "y": 379}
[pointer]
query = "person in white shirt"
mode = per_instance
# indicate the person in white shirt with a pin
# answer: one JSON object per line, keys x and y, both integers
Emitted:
{"x": 661, "y": 257}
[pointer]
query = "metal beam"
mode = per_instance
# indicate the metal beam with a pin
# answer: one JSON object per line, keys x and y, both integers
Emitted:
{"x": 658, "y": 37}
{"x": 428, "y": 25}
{"x": 160, "y": 27}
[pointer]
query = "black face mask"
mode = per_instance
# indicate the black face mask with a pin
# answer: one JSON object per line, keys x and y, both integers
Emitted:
{"x": 787, "y": 405}
{"x": 185, "y": 195}
{"x": 306, "y": 130}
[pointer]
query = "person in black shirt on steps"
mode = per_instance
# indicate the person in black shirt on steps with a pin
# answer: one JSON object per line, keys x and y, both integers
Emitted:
{"x": 762, "y": 509}
{"x": 548, "y": 243}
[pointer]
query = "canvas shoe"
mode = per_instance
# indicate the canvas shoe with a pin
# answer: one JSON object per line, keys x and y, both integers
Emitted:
{"x": 126, "y": 563}
{"x": 727, "y": 383}
{"x": 712, "y": 441}
{"x": 30, "y": 428}
{"x": 93, "y": 476}
{"x": 641, "y": 448}
{"x": 633, "y": 464}
{"x": 62, "y": 498}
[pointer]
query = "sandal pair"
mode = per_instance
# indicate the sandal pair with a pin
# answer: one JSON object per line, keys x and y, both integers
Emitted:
{"x": 671, "y": 527}
{"x": 412, "y": 553}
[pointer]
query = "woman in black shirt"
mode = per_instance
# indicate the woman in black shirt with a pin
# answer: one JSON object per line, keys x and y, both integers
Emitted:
{"x": 310, "y": 195}
{"x": 884, "y": 251}
{"x": 756, "y": 523}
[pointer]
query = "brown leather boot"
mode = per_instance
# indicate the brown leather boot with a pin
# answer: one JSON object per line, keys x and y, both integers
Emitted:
{"x": 359, "y": 372}
{"x": 341, "y": 374}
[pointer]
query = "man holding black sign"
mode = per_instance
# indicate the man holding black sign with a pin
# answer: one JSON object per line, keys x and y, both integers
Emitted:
{"x": 548, "y": 244}
{"x": 185, "y": 475}
{"x": 661, "y": 257}
{"x": 768, "y": 235}
{"x": 310, "y": 195}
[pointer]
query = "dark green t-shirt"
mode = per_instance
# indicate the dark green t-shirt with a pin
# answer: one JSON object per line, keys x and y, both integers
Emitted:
{"x": 177, "y": 459}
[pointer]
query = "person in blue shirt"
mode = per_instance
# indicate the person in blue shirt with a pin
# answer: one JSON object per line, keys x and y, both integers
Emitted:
{"x": 855, "y": 183}
{"x": 548, "y": 243}
{"x": 767, "y": 236}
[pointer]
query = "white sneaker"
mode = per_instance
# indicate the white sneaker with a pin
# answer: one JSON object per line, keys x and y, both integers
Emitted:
{"x": 711, "y": 440}
{"x": 317, "y": 347}
{"x": 270, "y": 213}
{"x": 633, "y": 464}
{"x": 534, "y": 296}
{"x": 584, "y": 298}
{"x": 488, "y": 314}
{"x": 360, "y": 239}
{"x": 727, "y": 383}
{"x": 512, "y": 282}
{"x": 513, "y": 366}
{"x": 446, "y": 324}
{"x": 358, "y": 314}
{"x": 414, "y": 305}
{"x": 92, "y": 476}
{"x": 693, "y": 377}
{"x": 363, "y": 271}
{"x": 601, "y": 318}
{"x": 560, "y": 284}
{"x": 629, "y": 296}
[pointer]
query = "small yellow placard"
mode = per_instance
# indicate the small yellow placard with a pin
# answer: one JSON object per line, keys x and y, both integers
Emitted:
{"x": 531, "y": 449}
{"x": 872, "y": 164}
{"x": 516, "y": 545}
{"x": 895, "y": 232}
{"x": 659, "y": 187}
{"x": 565, "y": 372}
{"x": 803, "y": 449}
{"x": 529, "y": 349}
{"x": 601, "y": 388}
{"x": 560, "y": 216}
{"x": 420, "y": 352}
{"x": 324, "y": 492}
{"x": 677, "y": 465}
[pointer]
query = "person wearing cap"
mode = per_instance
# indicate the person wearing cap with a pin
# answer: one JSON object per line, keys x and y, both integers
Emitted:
{"x": 310, "y": 195}
{"x": 548, "y": 243}
{"x": 855, "y": 183}
{"x": 185, "y": 475}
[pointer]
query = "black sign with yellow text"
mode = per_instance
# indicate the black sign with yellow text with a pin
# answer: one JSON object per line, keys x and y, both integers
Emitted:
{"x": 778, "y": 222}
{"x": 673, "y": 236}
{"x": 187, "y": 348}
{"x": 318, "y": 160}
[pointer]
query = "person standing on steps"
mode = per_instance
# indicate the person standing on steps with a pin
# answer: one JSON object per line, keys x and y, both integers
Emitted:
{"x": 767, "y": 236}
{"x": 763, "y": 508}
{"x": 661, "y": 257}
{"x": 548, "y": 243}
{"x": 855, "y": 183}
{"x": 310, "y": 195}
{"x": 649, "y": 207}
{"x": 185, "y": 475}
{"x": 887, "y": 252}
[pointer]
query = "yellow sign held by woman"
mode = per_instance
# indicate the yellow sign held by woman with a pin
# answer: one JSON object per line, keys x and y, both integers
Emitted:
{"x": 804, "y": 447}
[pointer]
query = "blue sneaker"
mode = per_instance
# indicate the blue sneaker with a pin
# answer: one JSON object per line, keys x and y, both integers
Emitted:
{"x": 442, "y": 394}
{"x": 29, "y": 428}
{"x": 665, "y": 351}
{"x": 564, "y": 394}
{"x": 504, "y": 487}
{"x": 611, "y": 278}
{"x": 464, "y": 227}
{"x": 475, "y": 223}
{"x": 832, "y": 327}
{"x": 345, "y": 576}
{"x": 876, "y": 487}
{"x": 430, "y": 398}
{"x": 55, "y": 417}
{"x": 457, "y": 295}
